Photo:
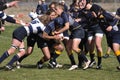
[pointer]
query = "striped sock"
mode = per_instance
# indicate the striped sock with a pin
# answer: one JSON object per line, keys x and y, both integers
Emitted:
{"x": 4, "y": 56}
{"x": 14, "y": 59}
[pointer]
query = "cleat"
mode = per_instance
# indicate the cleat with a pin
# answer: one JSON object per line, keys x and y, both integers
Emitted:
{"x": 106, "y": 56}
{"x": 99, "y": 67}
{"x": 118, "y": 67}
{"x": 18, "y": 66}
{"x": 39, "y": 66}
{"x": 9, "y": 68}
{"x": 59, "y": 66}
{"x": 92, "y": 63}
{"x": 86, "y": 65}
{"x": 73, "y": 67}
{"x": 52, "y": 64}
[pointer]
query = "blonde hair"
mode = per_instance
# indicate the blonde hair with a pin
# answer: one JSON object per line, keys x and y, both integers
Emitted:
{"x": 45, "y": 19}
{"x": 60, "y": 6}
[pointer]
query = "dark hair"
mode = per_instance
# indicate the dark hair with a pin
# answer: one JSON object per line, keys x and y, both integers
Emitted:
{"x": 52, "y": 3}
{"x": 2, "y": 2}
{"x": 118, "y": 12}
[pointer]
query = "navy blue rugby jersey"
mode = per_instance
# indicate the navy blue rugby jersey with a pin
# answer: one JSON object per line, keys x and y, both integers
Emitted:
{"x": 53, "y": 25}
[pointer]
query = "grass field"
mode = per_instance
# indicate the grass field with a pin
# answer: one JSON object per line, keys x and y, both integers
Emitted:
{"x": 30, "y": 72}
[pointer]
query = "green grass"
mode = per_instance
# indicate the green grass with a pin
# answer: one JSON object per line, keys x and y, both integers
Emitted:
{"x": 30, "y": 72}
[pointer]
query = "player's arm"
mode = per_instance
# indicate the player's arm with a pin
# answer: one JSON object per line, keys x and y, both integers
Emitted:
{"x": 66, "y": 27}
{"x": 49, "y": 28}
{"x": 46, "y": 36}
{"x": 7, "y": 5}
{"x": 66, "y": 24}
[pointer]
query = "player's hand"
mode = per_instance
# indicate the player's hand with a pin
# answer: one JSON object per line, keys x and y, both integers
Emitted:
{"x": 20, "y": 15}
{"x": 56, "y": 37}
{"x": 56, "y": 33}
{"x": 2, "y": 28}
{"x": 109, "y": 28}
{"x": 13, "y": 3}
{"x": 78, "y": 20}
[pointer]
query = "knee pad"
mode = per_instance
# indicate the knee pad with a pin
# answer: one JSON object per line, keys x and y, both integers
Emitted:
{"x": 21, "y": 49}
{"x": 13, "y": 46}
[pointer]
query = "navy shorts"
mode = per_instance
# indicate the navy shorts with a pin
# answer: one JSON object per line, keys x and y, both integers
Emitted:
{"x": 20, "y": 33}
{"x": 116, "y": 37}
{"x": 77, "y": 33}
{"x": 94, "y": 29}
{"x": 66, "y": 33}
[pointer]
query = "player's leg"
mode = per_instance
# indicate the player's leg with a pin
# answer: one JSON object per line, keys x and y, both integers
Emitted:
{"x": 16, "y": 57}
{"x": 77, "y": 35}
{"x": 116, "y": 50}
{"x": 45, "y": 58}
{"x": 31, "y": 39}
{"x": 58, "y": 48}
{"x": 70, "y": 54}
{"x": 91, "y": 42}
{"x": 11, "y": 50}
{"x": 98, "y": 41}
{"x": 45, "y": 50}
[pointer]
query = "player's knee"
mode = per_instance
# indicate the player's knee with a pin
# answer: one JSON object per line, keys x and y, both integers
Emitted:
{"x": 59, "y": 48}
{"x": 22, "y": 51}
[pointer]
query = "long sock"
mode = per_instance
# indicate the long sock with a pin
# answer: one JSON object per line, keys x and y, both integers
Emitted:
{"x": 52, "y": 53}
{"x": 81, "y": 60}
{"x": 71, "y": 57}
{"x": 99, "y": 60}
{"x": 83, "y": 56}
{"x": 14, "y": 59}
{"x": 4, "y": 56}
{"x": 92, "y": 57}
{"x": 20, "y": 59}
{"x": 54, "y": 57}
{"x": 118, "y": 58}
{"x": 42, "y": 60}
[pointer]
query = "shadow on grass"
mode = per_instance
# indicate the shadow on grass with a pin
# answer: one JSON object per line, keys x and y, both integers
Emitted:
{"x": 28, "y": 66}
{"x": 45, "y": 66}
{"x": 1, "y": 68}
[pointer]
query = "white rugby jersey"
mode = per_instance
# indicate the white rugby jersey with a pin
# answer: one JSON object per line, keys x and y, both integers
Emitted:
{"x": 36, "y": 26}
{"x": 2, "y": 15}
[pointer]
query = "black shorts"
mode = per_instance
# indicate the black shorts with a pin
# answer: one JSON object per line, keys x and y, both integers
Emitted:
{"x": 41, "y": 43}
{"x": 33, "y": 38}
{"x": 20, "y": 33}
{"x": 77, "y": 33}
